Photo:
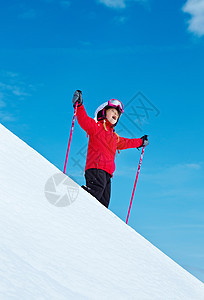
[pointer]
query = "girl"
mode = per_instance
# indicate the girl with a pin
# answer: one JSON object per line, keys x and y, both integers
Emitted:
{"x": 103, "y": 143}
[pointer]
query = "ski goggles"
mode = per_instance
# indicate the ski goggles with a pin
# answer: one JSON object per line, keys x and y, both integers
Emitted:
{"x": 116, "y": 104}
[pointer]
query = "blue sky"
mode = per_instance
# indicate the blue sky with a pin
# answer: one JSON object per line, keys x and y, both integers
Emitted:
{"x": 146, "y": 53}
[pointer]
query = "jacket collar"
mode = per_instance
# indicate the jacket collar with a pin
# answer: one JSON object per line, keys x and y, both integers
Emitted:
{"x": 108, "y": 124}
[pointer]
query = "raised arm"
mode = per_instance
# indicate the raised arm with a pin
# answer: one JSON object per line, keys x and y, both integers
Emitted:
{"x": 86, "y": 123}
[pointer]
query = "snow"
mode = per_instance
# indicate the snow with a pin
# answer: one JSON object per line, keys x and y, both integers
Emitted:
{"x": 58, "y": 242}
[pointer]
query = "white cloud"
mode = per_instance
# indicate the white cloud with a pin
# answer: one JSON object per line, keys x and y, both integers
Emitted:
{"x": 118, "y": 3}
{"x": 6, "y": 117}
{"x": 193, "y": 166}
{"x": 2, "y": 103}
{"x": 174, "y": 176}
{"x": 65, "y": 4}
{"x": 13, "y": 88}
{"x": 176, "y": 226}
{"x": 196, "y": 9}
{"x": 13, "y": 84}
{"x": 120, "y": 19}
{"x": 114, "y": 3}
{"x": 8, "y": 74}
{"x": 28, "y": 15}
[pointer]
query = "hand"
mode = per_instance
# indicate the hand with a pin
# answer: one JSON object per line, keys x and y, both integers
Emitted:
{"x": 145, "y": 140}
{"x": 77, "y": 97}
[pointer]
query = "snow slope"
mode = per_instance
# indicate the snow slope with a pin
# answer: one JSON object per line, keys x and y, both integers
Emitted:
{"x": 58, "y": 242}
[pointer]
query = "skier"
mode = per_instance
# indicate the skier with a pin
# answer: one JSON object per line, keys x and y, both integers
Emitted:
{"x": 103, "y": 143}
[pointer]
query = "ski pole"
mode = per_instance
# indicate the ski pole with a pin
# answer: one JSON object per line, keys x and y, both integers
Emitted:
{"x": 70, "y": 137}
{"x": 138, "y": 170}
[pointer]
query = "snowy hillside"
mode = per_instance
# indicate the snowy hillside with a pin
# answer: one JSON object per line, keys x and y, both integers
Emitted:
{"x": 58, "y": 242}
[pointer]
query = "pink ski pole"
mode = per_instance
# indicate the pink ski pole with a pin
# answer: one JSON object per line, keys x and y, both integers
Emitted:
{"x": 70, "y": 137}
{"x": 138, "y": 170}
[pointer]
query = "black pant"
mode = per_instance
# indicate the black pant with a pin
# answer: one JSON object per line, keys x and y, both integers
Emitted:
{"x": 98, "y": 184}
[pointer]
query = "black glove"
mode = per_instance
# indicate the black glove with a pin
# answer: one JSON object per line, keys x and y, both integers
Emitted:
{"x": 77, "y": 97}
{"x": 145, "y": 140}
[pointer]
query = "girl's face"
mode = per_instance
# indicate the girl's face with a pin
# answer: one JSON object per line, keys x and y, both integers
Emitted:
{"x": 112, "y": 115}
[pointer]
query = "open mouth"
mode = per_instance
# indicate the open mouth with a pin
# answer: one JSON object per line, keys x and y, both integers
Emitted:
{"x": 114, "y": 118}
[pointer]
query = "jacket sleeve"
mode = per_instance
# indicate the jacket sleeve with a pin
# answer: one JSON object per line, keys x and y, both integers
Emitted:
{"x": 125, "y": 143}
{"x": 86, "y": 123}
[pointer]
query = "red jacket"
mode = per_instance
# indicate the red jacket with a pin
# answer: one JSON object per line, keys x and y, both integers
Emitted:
{"x": 102, "y": 144}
